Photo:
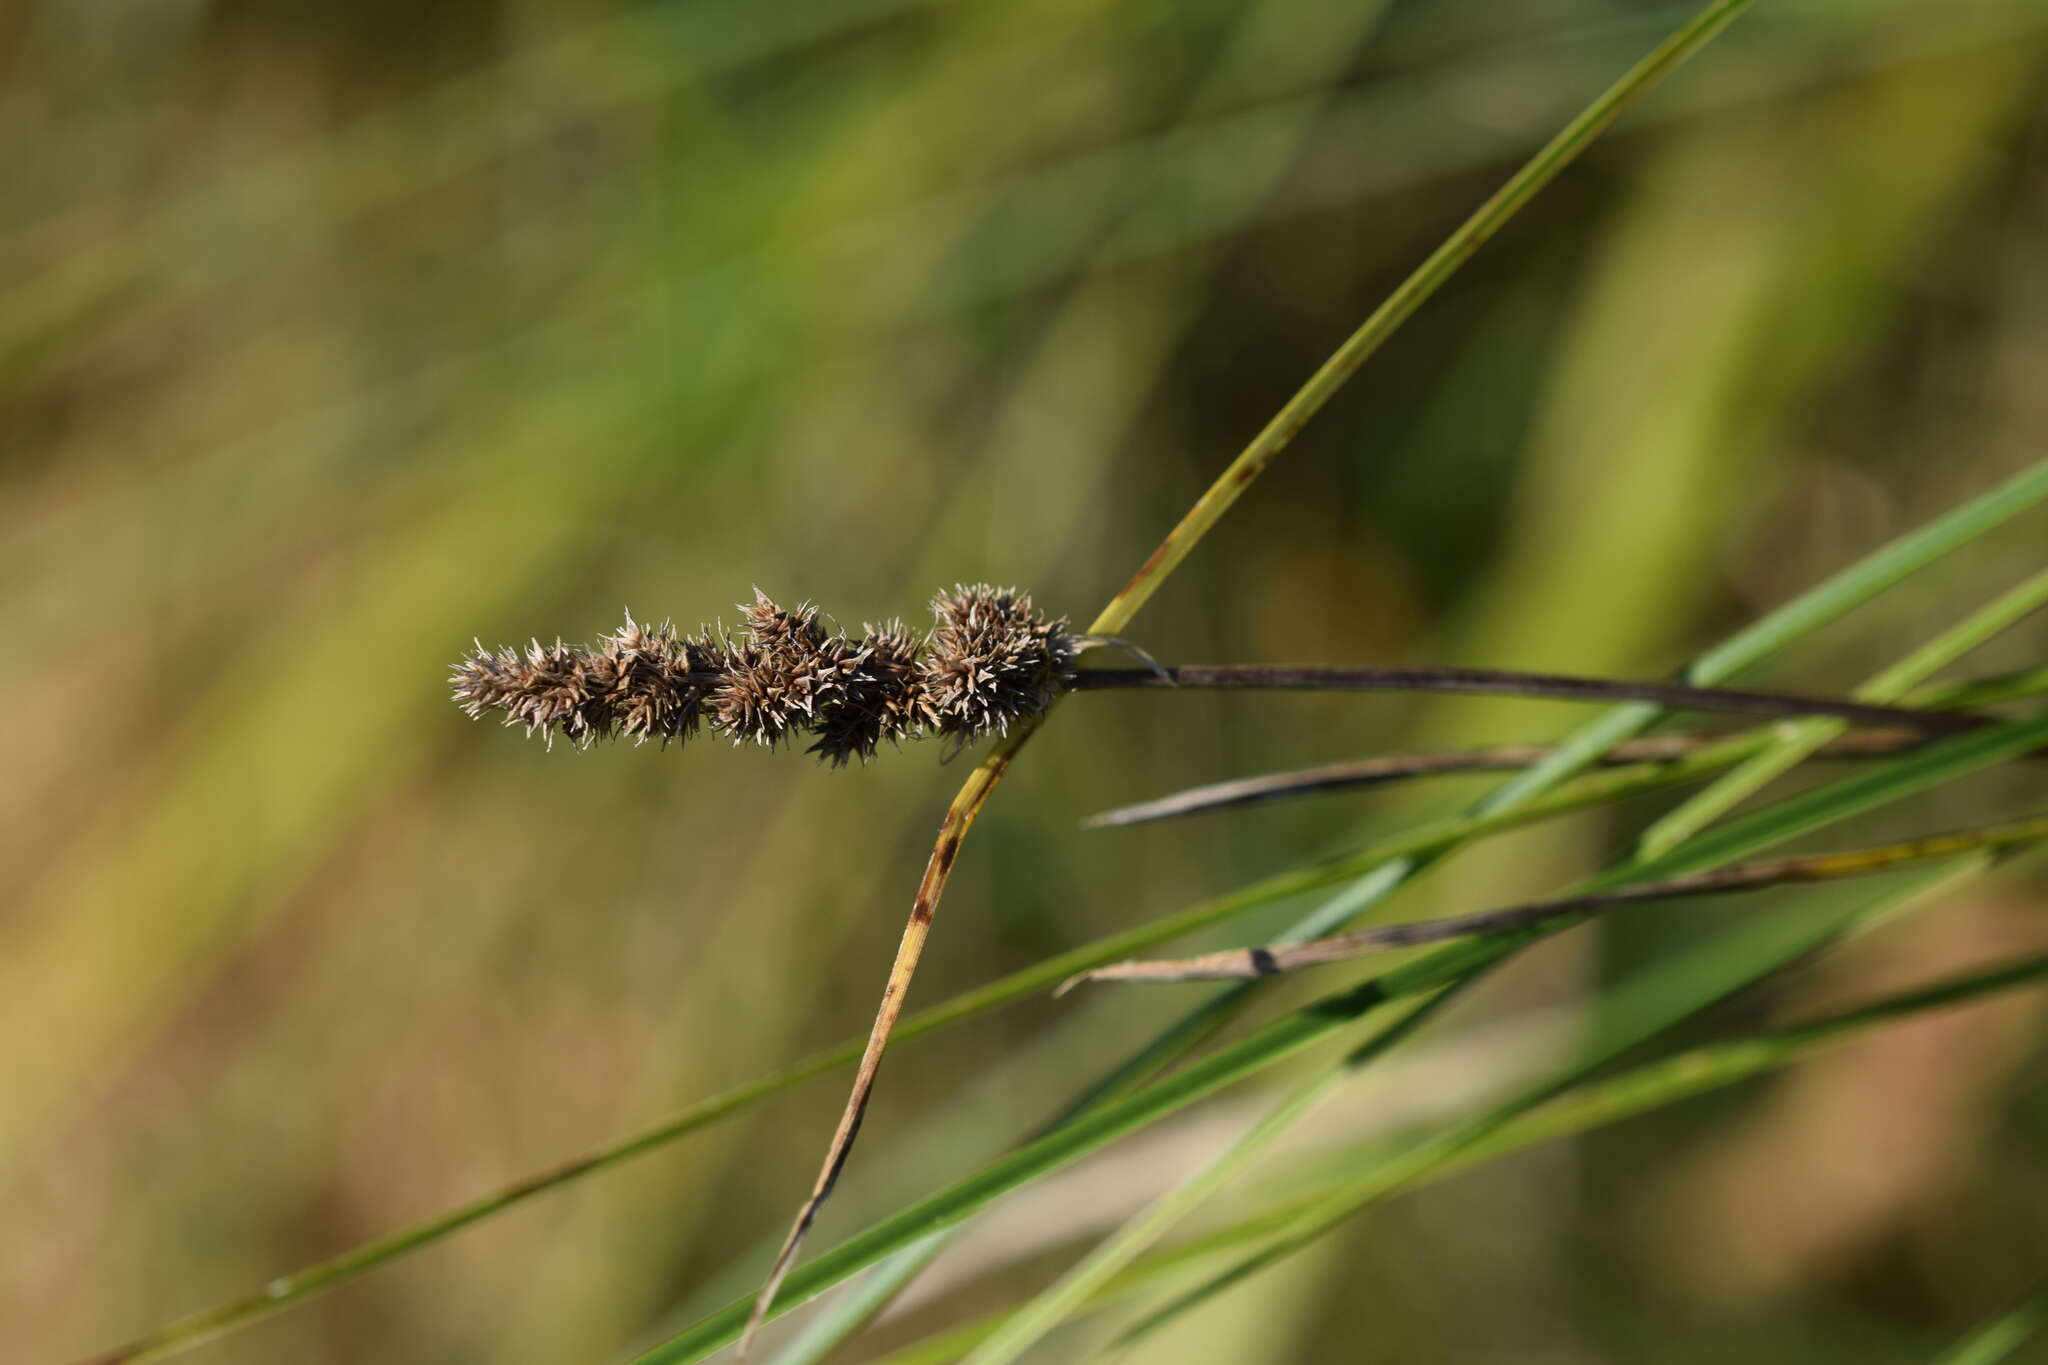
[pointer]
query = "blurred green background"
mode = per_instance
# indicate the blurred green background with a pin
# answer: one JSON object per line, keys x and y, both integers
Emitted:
{"x": 332, "y": 336}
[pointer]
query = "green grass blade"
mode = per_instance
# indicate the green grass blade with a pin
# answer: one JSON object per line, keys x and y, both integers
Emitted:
{"x": 1799, "y": 740}
{"x": 846, "y": 1314}
{"x": 1277, "y": 1041}
{"x": 1427, "y": 278}
{"x": 1872, "y": 575}
{"x": 1997, "y": 1340}
{"x": 2004, "y": 687}
{"x": 1026, "y": 1327}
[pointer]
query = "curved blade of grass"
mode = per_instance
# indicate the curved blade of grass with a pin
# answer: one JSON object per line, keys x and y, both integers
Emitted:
{"x": 1800, "y": 740}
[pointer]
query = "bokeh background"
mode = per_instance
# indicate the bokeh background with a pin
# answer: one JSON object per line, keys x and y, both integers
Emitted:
{"x": 332, "y": 336}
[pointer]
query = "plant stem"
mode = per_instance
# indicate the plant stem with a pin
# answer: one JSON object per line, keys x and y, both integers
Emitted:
{"x": 1427, "y": 278}
{"x": 1509, "y": 682}
{"x": 1386, "y": 768}
{"x": 1665, "y": 748}
{"x": 1244, "y": 964}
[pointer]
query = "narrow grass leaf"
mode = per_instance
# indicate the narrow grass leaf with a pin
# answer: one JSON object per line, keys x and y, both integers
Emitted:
{"x": 1025, "y": 1328}
{"x": 1798, "y": 740}
{"x": 1998, "y": 1339}
{"x": 1653, "y": 1001}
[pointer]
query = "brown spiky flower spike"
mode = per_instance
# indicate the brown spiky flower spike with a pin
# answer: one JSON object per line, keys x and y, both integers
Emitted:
{"x": 993, "y": 660}
{"x": 645, "y": 682}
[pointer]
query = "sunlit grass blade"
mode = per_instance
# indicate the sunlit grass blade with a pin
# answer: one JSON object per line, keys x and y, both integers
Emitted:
{"x": 1998, "y": 1339}
{"x": 1028, "y": 1325}
{"x": 2004, "y": 687}
{"x": 1802, "y": 739}
{"x": 1896, "y": 561}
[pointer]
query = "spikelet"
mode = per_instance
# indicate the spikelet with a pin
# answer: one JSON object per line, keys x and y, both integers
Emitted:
{"x": 640, "y": 681}
{"x": 550, "y": 689}
{"x": 993, "y": 660}
{"x": 882, "y": 699}
{"x": 777, "y": 676}
{"x": 661, "y": 679}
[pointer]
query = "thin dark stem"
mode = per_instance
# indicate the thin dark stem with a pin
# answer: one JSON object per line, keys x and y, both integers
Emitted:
{"x": 1508, "y": 682}
{"x": 1385, "y": 768}
{"x": 1241, "y": 964}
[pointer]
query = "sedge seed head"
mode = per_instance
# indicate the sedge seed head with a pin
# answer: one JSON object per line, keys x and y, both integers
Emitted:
{"x": 881, "y": 698}
{"x": 994, "y": 660}
{"x": 990, "y": 660}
